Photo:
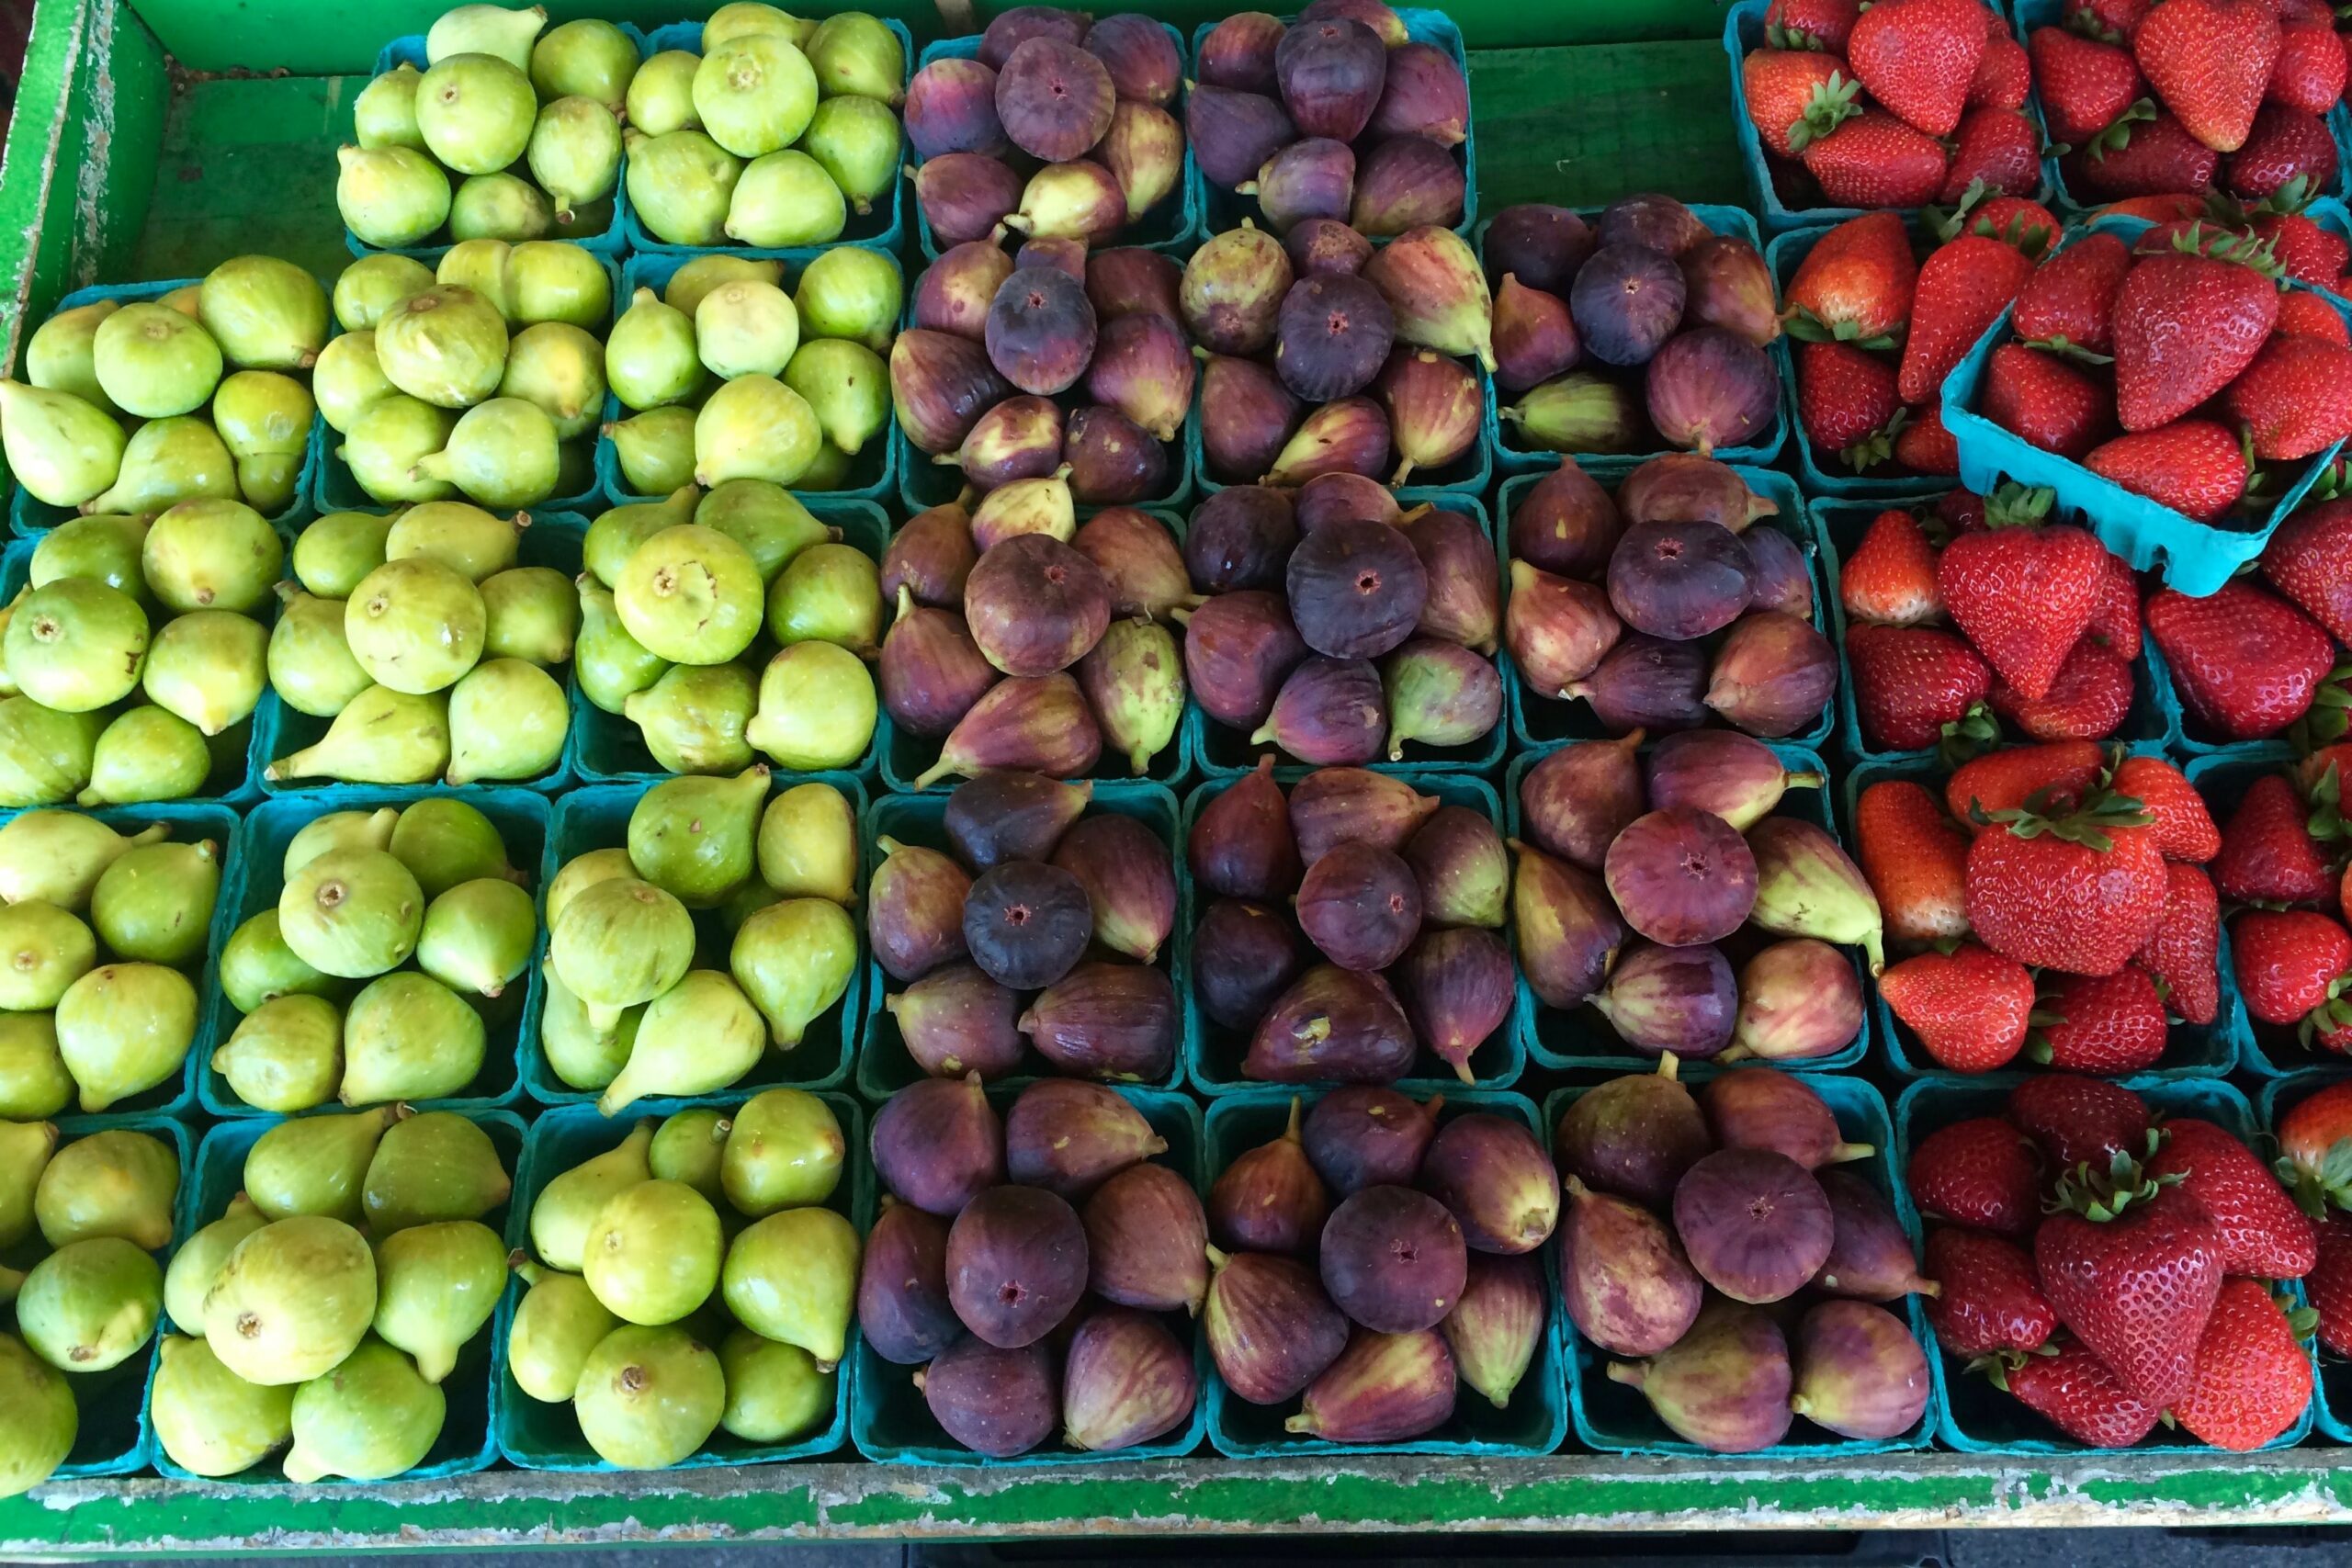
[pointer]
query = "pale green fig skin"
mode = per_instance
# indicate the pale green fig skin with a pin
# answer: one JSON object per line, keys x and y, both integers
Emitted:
{"x": 852, "y": 294}
{"x": 387, "y": 440}
{"x": 774, "y": 1392}
{"x": 445, "y": 344}
{"x": 43, "y": 1418}
{"x": 373, "y": 284}
{"x": 496, "y": 30}
{"x": 122, "y": 1029}
{"x": 559, "y": 370}
{"x": 213, "y": 555}
{"x": 34, "y": 1084}
{"x": 266, "y": 314}
{"x": 46, "y": 757}
{"x": 154, "y": 904}
{"x": 478, "y": 936}
{"x": 616, "y": 536}
{"x": 588, "y": 59}
{"x": 582, "y": 872}
{"x": 407, "y": 1036}
{"x": 26, "y": 1149}
{"x": 817, "y": 708}
{"x": 558, "y": 1323}
{"x": 263, "y": 418}
{"x": 481, "y": 266}
{"x": 555, "y": 281}
{"x": 619, "y": 944}
{"x": 691, "y": 596}
{"x": 197, "y": 1262}
{"x": 655, "y": 449}
{"x": 167, "y": 461}
{"x": 61, "y": 356}
{"x": 57, "y": 856}
{"x": 62, "y": 450}
{"x": 76, "y": 645}
{"x": 846, "y": 385}
{"x": 689, "y": 285}
{"x": 372, "y": 1418}
{"x": 652, "y": 1253}
{"x": 580, "y": 1055}
{"x": 43, "y": 950}
{"x": 792, "y": 1278}
{"x": 102, "y": 545}
{"x": 828, "y": 593}
{"x": 575, "y": 152}
{"x": 475, "y": 112}
{"x": 793, "y": 959}
{"x": 531, "y": 612}
{"x": 147, "y": 754}
{"x": 755, "y": 427}
{"x": 652, "y": 358}
{"x": 91, "y": 1305}
{"x": 695, "y": 838}
{"x": 348, "y": 382}
{"x": 807, "y": 844}
{"x": 316, "y": 1166}
{"x": 415, "y": 625}
{"x": 335, "y": 555}
{"x": 111, "y": 1183}
{"x": 381, "y": 737}
{"x": 699, "y": 1037}
{"x": 210, "y": 1421}
{"x": 353, "y": 913}
{"x": 679, "y": 184}
{"x": 692, "y": 719}
{"x": 502, "y": 453}
{"x": 444, "y": 842}
{"x": 687, "y": 1147}
{"x": 384, "y": 114}
{"x": 310, "y": 661}
{"x": 856, "y": 56}
{"x": 390, "y": 196}
{"x": 661, "y": 96}
{"x": 339, "y": 830}
{"x": 499, "y": 206}
{"x": 210, "y": 668}
{"x": 785, "y": 1150}
{"x": 292, "y": 1300}
{"x": 856, "y": 141}
{"x": 285, "y": 1056}
{"x": 432, "y": 1168}
{"x": 257, "y": 967}
{"x": 567, "y": 1207}
{"x": 786, "y": 199}
{"x": 754, "y": 94}
{"x": 437, "y": 1286}
{"x": 649, "y": 1397}
{"x": 508, "y": 719}
{"x": 458, "y": 535}
{"x": 151, "y": 362}
{"x": 746, "y": 327}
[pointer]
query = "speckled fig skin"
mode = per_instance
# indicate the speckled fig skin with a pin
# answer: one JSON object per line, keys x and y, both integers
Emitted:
{"x": 1763, "y": 1108}
{"x": 1239, "y": 648}
{"x": 1623, "y": 1279}
{"x": 1011, "y": 816}
{"x": 1118, "y": 1021}
{"x": 1799, "y": 999}
{"x": 1773, "y": 675}
{"x": 1129, "y": 882}
{"x": 1147, "y": 1241}
{"x": 915, "y": 911}
{"x": 1394, "y": 1259}
{"x": 1016, "y": 1265}
{"x": 1754, "y": 1223}
{"x": 902, "y": 1308}
{"x": 1368, "y": 1137}
{"x": 937, "y": 1143}
{"x": 1331, "y": 807}
{"x": 1242, "y": 844}
{"x": 1574, "y": 802}
{"x": 1567, "y": 524}
{"x": 998, "y": 1403}
{"x": 1270, "y": 1198}
{"x": 1332, "y": 1025}
{"x": 1329, "y": 713}
{"x": 1735, "y": 776}
{"x": 1385, "y": 1387}
{"x": 1271, "y": 1329}
{"x": 1725, "y": 1385}
{"x": 930, "y": 556}
{"x": 1495, "y": 1179}
{"x": 1499, "y": 1325}
{"x": 951, "y": 108}
{"x": 1682, "y": 876}
{"x": 1458, "y": 986}
{"x": 956, "y": 1021}
{"x": 951, "y": 295}
{"x": 1859, "y": 1373}
{"x": 1671, "y": 1000}
{"x": 1870, "y": 1255}
{"x": 1633, "y": 1135}
{"x": 1126, "y": 1380}
{"x": 1646, "y": 682}
{"x": 1247, "y": 418}
{"x": 1069, "y": 1137}
{"x": 1565, "y": 927}
{"x": 1129, "y": 280}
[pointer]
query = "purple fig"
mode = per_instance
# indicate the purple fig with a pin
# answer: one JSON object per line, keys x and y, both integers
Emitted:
{"x": 1709, "y": 388}
{"x": 1139, "y": 560}
{"x": 1027, "y": 506}
{"x": 1495, "y": 1329}
{"x": 1113, "y": 462}
{"x": 1409, "y": 183}
{"x": 1330, "y": 73}
{"x": 1392, "y": 1260}
{"x": 1463, "y": 868}
{"x": 1623, "y": 1279}
{"x": 1332, "y": 1025}
{"x": 1026, "y": 924}
{"x": 951, "y": 108}
{"x": 1004, "y": 816}
{"x": 1535, "y": 338}
{"x": 1233, "y": 290}
{"x": 1859, "y": 1373}
{"x": 1356, "y": 589}
{"x": 1659, "y": 222}
{"x": 1327, "y": 247}
{"x": 1035, "y": 605}
{"x": 930, "y": 672}
{"x": 1496, "y": 1180}
{"x": 1041, "y": 331}
{"x": 1054, "y": 99}
{"x": 1332, "y": 334}
{"x": 1130, "y": 280}
{"x": 1753, "y": 1223}
{"x": 966, "y": 196}
{"x": 1439, "y": 694}
{"x": 1763, "y": 1108}
{"x": 1633, "y": 1135}
{"x": 956, "y": 1021}
{"x": 1069, "y": 1137}
{"x": 1580, "y": 412}
{"x": 1735, "y": 777}
{"x": 1678, "y": 999}
{"x": 1123, "y": 867}
{"x": 914, "y": 909}
{"x": 1269, "y": 1198}
{"x": 1329, "y": 712}
{"x": 953, "y": 293}
{"x": 1140, "y": 56}
{"x": 1559, "y": 630}
{"x": 1239, "y": 53}
{"x": 1677, "y": 580}
{"x": 1778, "y": 575}
{"x": 1126, "y": 1379}
{"x": 1545, "y": 245}
{"x": 1464, "y": 602}
{"x": 902, "y": 1306}
{"x": 1147, "y": 1241}
{"x": 1567, "y": 524}
{"x": 1366, "y": 1137}
{"x": 1425, "y": 95}
{"x": 998, "y": 1403}
{"x": 1725, "y": 1385}
{"x": 930, "y": 555}
{"x": 1384, "y": 23}
{"x": 1020, "y": 438}
{"x": 1145, "y": 154}
{"x": 937, "y": 1143}
{"x": 1271, "y": 1329}
{"x": 940, "y": 385}
{"x": 1360, "y": 907}
{"x": 1144, "y": 368}
{"x": 1870, "y": 1255}
{"x": 1626, "y": 302}
{"x": 1313, "y": 178}
{"x": 1134, "y": 681}
{"x": 1081, "y": 199}
{"x": 1436, "y": 408}
{"x": 1244, "y": 955}
{"x": 1016, "y": 1265}
{"x": 1018, "y": 25}
{"x": 1683, "y": 487}
{"x": 1332, "y": 807}
{"x": 1238, "y": 650}
{"x": 1647, "y": 682}
{"x": 1232, "y": 132}
{"x": 1349, "y": 437}
{"x": 1385, "y": 1387}
{"x": 1241, "y": 845}
{"x": 1240, "y": 537}
{"x": 1062, "y": 254}
{"x": 1807, "y": 886}
{"x": 1431, "y": 281}
{"x": 1774, "y": 674}
{"x": 1725, "y": 284}
{"x": 1344, "y": 498}
{"x": 1568, "y": 932}
{"x": 1576, "y": 801}
{"x": 1247, "y": 418}
{"x": 1798, "y": 999}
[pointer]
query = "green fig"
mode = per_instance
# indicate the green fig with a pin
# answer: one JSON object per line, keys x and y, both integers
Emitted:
{"x": 690, "y": 594}
{"x": 335, "y": 555}
{"x": 478, "y": 936}
{"x": 649, "y": 1397}
{"x": 817, "y": 708}
{"x": 502, "y": 453}
{"x": 559, "y": 369}
{"x": 257, "y": 967}
{"x": 62, "y": 356}
{"x": 587, "y": 59}
{"x": 621, "y": 942}
{"x": 555, "y": 281}
{"x": 374, "y": 284}
{"x": 154, "y": 904}
{"x": 475, "y": 112}
{"x": 436, "y": 1287}
{"x": 486, "y": 29}
{"x": 169, "y": 461}
{"x": 478, "y": 265}
{"x": 679, "y": 184}
{"x": 655, "y": 449}
{"x": 197, "y": 1262}
{"x": 210, "y": 1421}
{"x": 372, "y": 1418}
{"x": 697, "y": 1037}
{"x": 580, "y": 1055}
{"x": 151, "y": 362}
{"x": 529, "y": 612}
{"x": 263, "y": 418}
{"x": 113, "y": 1183}
{"x": 507, "y": 720}
{"x": 46, "y": 756}
{"x": 75, "y": 645}
{"x": 308, "y": 659}
{"x": 384, "y": 444}
{"x": 774, "y": 1392}
{"x": 390, "y": 196}
{"x": 581, "y": 872}
{"x": 457, "y": 535}
{"x": 34, "y": 1084}
{"x": 210, "y": 668}
{"x": 744, "y": 903}
{"x": 445, "y": 344}
{"x": 692, "y": 719}
{"x": 855, "y": 142}
{"x": 43, "y": 950}
{"x": 406, "y": 1037}
{"x": 499, "y": 206}
{"x": 855, "y": 55}
{"x": 444, "y": 842}
{"x": 650, "y": 357}
{"x": 662, "y": 95}
{"x": 101, "y": 546}
{"x": 807, "y": 844}
{"x": 316, "y": 1165}
{"x": 846, "y": 385}
{"x": 686, "y": 1147}
{"x": 557, "y": 1324}
{"x": 286, "y": 1055}
{"x": 384, "y": 113}
{"x": 785, "y": 199}
{"x": 415, "y": 625}
{"x": 90, "y": 1305}
{"x": 355, "y": 912}
{"x": 339, "y": 830}
{"x": 62, "y": 450}
{"x": 828, "y": 593}
{"x": 766, "y": 519}
{"x": 695, "y": 279}
{"x": 746, "y": 327}
{"x": 575, "y": 153}
{"x": 792, "y": 1276}
{"x": 754, "y": 94}
{"x": 382, "y": 736}
{"x": 694, "y": 836}
{"x": 784, "y": 1151}
{"x": 292, "y": 1300}
{"x": 26, "y": 1148}
{"x": 795, "y": 960}
{"x": 741, "y": 19}
{"x": 43, "y": 1419}
{"x": 651, "y": 1253}
{"x": 57, "y": 856}
{"x": 615, "y": 535}
{"x": 568, "y": 1205}
{"x": 265, "y": 313}
{"x": 348, "y": 380}
{"x": 432, "y": 1167}
{"x": 125, "y": 1028}
{"x": 755, "y": 427}
{"x": 852, "y": 294}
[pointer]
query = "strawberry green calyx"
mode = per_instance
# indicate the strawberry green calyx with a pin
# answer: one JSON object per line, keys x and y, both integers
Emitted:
{"x": 2323, "y": 724}
{"x": 2101, "y": 1197}
{"x": 1876, "y": 447}
{"x": 2320, "y": 1186}
{"x": 2085, "y": 22}
{"x": 1998, "y": 1366}
{"x": 2014, "y": 505}
{"x": 2116, "y": 134}
{"x": 1971, "y": 735}
{"x": 1830, "y": 106}
{"x": 2091, "y": 824}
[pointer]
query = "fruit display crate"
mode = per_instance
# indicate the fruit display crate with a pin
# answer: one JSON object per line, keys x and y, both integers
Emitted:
{"x": 2264, "y": 1050}
{"x": 2333, "y": 1416}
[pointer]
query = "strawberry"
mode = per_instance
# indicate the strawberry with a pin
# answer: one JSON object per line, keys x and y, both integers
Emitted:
{"x": 2089, "y": 699}
{"x": 2156, "y": 209}
{"x": 1911, "y": 684}
{"x": 2310, "y": 72}
{"x": 2292, "y": 967}
{"x": 2077, "y": 891}
{"x": 2069, "y": 302}
{"x": 2061, "y": 773}
{"x": 1845, "y": 402}
{"x": 2267, "y": 853}
{"x": 2263, "y": 1233}
{"x": 1855, "y": 284}
{"x": 2312, "y": 770}
{"x": 2113, "y": 1024}
{"x": 2115, "y": 619}
{"x": 1981, "y": 1172}
{"x": 2295, "y": 399}
{"x": 2004, "y": 76}
{"x": 1963, "y": 288}
{"x": 1795, "y": 95}
{"x": 1811, "y": 24}
{"x": 2309, "y": 559}
{"x": 2306, "y": 251}
{"x": 2115, "y": 20}
{"x": 2045, "y": 401}
{"x": 2074, "y": 1390}
{"x": 1968, "y": 1006}
{"x": 2329, "y": 1284}
{"x": 2185, "y": 325}
{"x": 2183, "y": 829}
{"x": 2315, "y": 1150}
{"x": 2244, "y": 662}
{"x": 1925, "y": 446}
{"x": 2017, "y": 221}
{"x": 1915, "y": 860}
{"x": 2252, "y": 1377}
{"x": 2289, "y": 157}
{"x": 1917, "y": 57}
{"x": 2181, "y": 952}
{"x": 2132, "y": 1271}
{"x": 2308, "y": 315}
{"x": 1875, "y": 160}
{"x": 2085, "y": 84}
{"x": 2195, "y": 467}
{"x": 1989, "y": 1299}
{"x": 1995, "y": 150}
{"x": 2143, "y": 157}
{"x": 2210, "y": 61}
{"x": 2023, "y": 594}
{"x": 2077, "y": 1121}
{"x": 1891, "y": 576}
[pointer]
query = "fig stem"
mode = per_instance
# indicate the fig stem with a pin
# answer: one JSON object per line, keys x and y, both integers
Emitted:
{"x": 1630, "y": 1373}
{"x": 1843, "y": 1153}
{"x": 1669, "y": 1066}
{"x": 1290, "y": 1130}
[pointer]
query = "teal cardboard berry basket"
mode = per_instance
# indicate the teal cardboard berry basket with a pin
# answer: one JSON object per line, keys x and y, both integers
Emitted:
{"x": 2264, "y": 1050}
{"x": 884, "y": 1065}
{"x": 2333, "y": 1412}
{"x": 1214, "y": 1054}
{"x": 1535, "y": 1419}
{"x": 533, "y": 1436}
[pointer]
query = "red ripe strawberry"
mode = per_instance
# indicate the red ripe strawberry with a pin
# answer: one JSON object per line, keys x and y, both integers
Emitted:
{"x": 2062, "y": 772}
{"x": 2308, "y": 315}
{"x": 2155, "y": 208}
{"x": 1794, "y": 94}
{"x": 1917, "y": 57}
{"x": 2309, "y": 561}
{"x": 2088, "y": 701}
{"x": 1925, "y": 446}
{"x": 2077, "y": 1121}
{"x": 2306, "y": 251}
{"x": 2085, "y": 84}
{"x": 1811, "y": 24}
{"x": 1854, "y": 283}
{"x": 2315, "y": 1149}
{"x": 2113, "y": 1024}
{"x": 2253, "y": 1376}
{"x": 1845, "y": 402}
{"x": 1875, "y": 160}
{"x": 2115, "y": 619}
{"x": 2152, "y": 157}
{"x": 2310, "y": 72}
{"x": 2116, "y": 21}
{"x": 1968, "y": 1006}
{"x": 2289, "y": 156}
{"x": 2293, "y": 966}
{"x": 2267, "y": 855}
{"x": 2263, "y": 1233}
{"x": 2195, "y": 467}
{"x": 2245, "y": 663}
{"x": 1990, "y": 1300}
{"x": 2074, "y": 1392}
{"x": 2182, "y": 952}
{"x": 2183, "y": 829}
{"x": 2045, "y": 401}
{"x": 1891, "y": 576}
{"x": 2070, "y": 299}
{"x": 1997, "y": 149}
{"x": 2023, "y": 595}
{"x": 2295, "y": 399}
{"x": 2004, "y": 74}
{"x": 1915, "y": 860}
{"x": 2080, "y": 892}
{"x": 2136, "y": 1289}
{"x": 1910, "y": 683}
{"x": 2185, "y": 325}
{"x": 2017, "y": 221}
{"x": 1963, "y": 288}
{"x": 2210, "y": 61}
{"x": 2329, "y": 1284}
{"x": 1980, "y": 1172}
{"x": 2312, "y": 770}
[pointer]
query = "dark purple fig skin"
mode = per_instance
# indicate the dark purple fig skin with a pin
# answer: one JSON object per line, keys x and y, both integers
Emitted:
{"x": 997, "y": 1403}
{"x": 1495, "y": 1329}
{"x": 1333, "y": 1025}
{"x": 1239, "y": 53}
{"x": 1113, "y": 462}
{"x": 1623, "y": 1277}
{"x": 1385, "y": 1387}
{"x": 1360, "y": 905}
{"x": 1798, "y": 999}
{"x": 1069, "y": 1137}
{"x": 1036, "y": 605}
{"x": 1425, "y": 95}
{"x": 1567, "y": 930}
{"x": 1039, "y": 724}
{"x": 930, "y": 556}
{"x": 1139, "y": 55}
{"x": 953, "y": 293}
{"x": 951, "y": 108}
{"x": 1778, "y": 576}
{"x": 940, "y": 385}
{"x": 1129, "y": 882}
{"x": 1054, "y": 99}
{"x": 1269, "y": 1198}
{"x": 1247, "y": 418}
{"x": 914, "y": 910}
{"x": 1678, "y": 999}
{"x": 1355, "y": 806}
{"x": 1307, "y": 179}
{"x": 1020, "y": 438}
{"x": 1233, "y": 132}
{"x": 1041, "y": 330}
{"x": 1535, "y": 338}
{"x": 1677, "y": 580}
{"x": 1345, "y": 498}
{"x": 931, "y": 671}
{"x": 1763, "y": 1108}
{"x": 937, "y": 1143}
{"x": 1139, "y": 560}
{"x": 1331, "y": 712}
{"x": 1647, "y": 682}
{"x": 1754, "y": 1223}
{"x": 1859, "y": 1373}
{"x": 1147, "y": 1241}
{"x": 1026, "y": 925}
{"x": 1241, "y": 845}
{"x": 1464, "y": 870}
{"x": 1626, "y": 302}
{"x": 1566, "y": 524}
{"x": 1495, "y": 1179}
{"x": 1014, "y": 28}
{"x": 1240, "y": 537}
{"x": 1107, "y": 1020}
{"x": 902, "y": 1307}
{"x": 1356, "y": 589}
{"x": 1557, "y": 628}
{"x": 1774, "y": 674}
{"x": 956, "y": 1021}
{"x": 1726, "y": 285}
{"x": 1233, "y": 289}
{"x": 1632, "y": 1135}
{"x": 1544, "y": 244}
{"x": 966, "y": 196}
{"x": 1659, "y": 222}
{"x": 1394, "y": 1259}
{"x": 1144, "y": 368}
{"x": 1711, "y": 390}
{"x": 1408, "y": 182}
{"x": 1270, "y": 1327}
{"x": 1436, "y": 408}
{"x": 1870, "y": 1255}
{"x": 1330, "y": 73}
{"x": 1366, "y": 1137}
{"x": 1574, "y": 802}
{"x": 1735, "y": 776}
{"x": 1327, "y": 247}
{"x": 1682, "y": 876}
{"x": 1129, "y": 280}
{"x": 1244, "y": 955}
{"x": 1063, "y": 255}
{"x": 1725, "y": 1386}
{"x": 1332, "y": 334}
{"x": 1458, "y": 987}
{"x": 1126, "y": 1379}
{"x": 1683, "y": 487}
{"x": 1385, "y": 24}
{"x": 1011, "y": 816}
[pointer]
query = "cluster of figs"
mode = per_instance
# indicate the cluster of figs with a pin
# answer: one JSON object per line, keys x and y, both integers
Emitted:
{"x": 1643, "y": 327}
{"x": 1690, "y": 1218}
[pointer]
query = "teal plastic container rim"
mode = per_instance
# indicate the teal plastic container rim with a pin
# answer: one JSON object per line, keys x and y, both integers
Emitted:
{"x": 596, "y": 816}
{"x": 1173, "y": 235}
{"x": 29, "y": 517}
{"x": 903, "y": 1432}
{"x": 2333, "y": 1415}
{"x": 1465, "y": 479}
{"x": 570, "y": 1133}
{"x": 1810, "y": 805}
{"x": 884, "y": 1065}
{"x": 1961, "y": 1405}
{"x": 608, "y": 748}
{"x": 2191, "y": 1050}
{"x": 1497, "y": 1063}
{"x": 2265, "y": 1051}
{"x": 1240, "y": 1121}
{"x": 1615, "y": 1419}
